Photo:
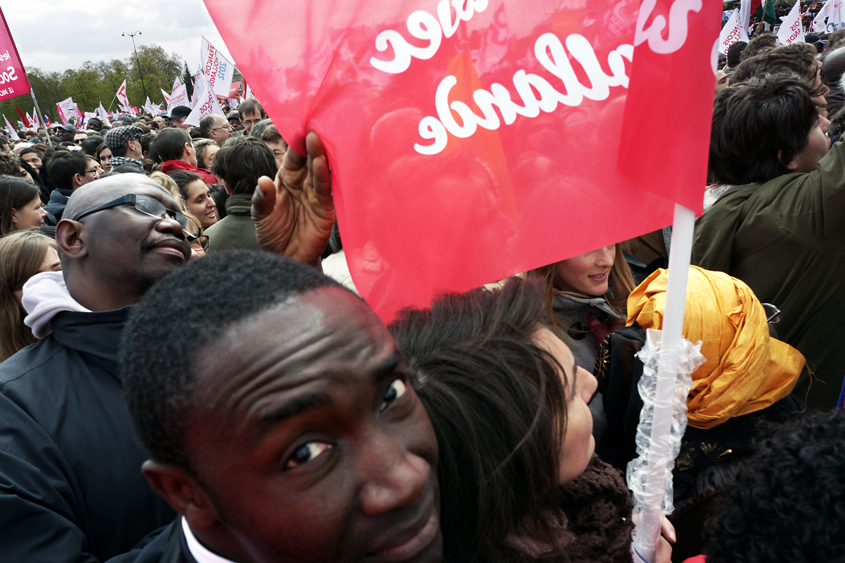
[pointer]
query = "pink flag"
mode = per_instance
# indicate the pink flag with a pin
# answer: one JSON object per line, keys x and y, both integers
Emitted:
{"x": 13, "y": 79}
{"x": 233, "y": 91}
{"x": 472, "y": 140}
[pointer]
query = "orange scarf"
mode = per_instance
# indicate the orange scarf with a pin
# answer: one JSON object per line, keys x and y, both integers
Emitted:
{"x": 746, "y": 370}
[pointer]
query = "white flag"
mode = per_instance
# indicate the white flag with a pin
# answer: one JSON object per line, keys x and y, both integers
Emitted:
{"x": 206, "y": 102}
{"x": 176, "y": 84}
{"x": 791, "y": 30}
{"x": 179, "y": 97}
{"x": 834, "y": 16}
{"x": 248, "y": 93}
{"x": 122, "y": 98}
{"x": 10, "y": 129}
{"x": 731, "y": 33}
{"x": 166, "y": 96}
{"x": 217, "y": 68}
{"x": 744, "y": 17}
{"x": 104, "y": 117}
{"x": 820, "y": 21}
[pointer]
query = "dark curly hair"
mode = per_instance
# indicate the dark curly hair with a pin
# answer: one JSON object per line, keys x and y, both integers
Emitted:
{"x": 172, "y": 325}
{"x": 788, "y": 503}
{"x": 498, "y": 408}
{"x": 758, "y": 128}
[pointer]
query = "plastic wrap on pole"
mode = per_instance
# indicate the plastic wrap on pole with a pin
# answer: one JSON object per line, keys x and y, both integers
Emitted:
{"x": 658, "y": 456}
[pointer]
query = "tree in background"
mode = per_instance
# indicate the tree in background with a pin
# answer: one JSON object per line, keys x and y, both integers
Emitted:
{"x": 93, "y": 83}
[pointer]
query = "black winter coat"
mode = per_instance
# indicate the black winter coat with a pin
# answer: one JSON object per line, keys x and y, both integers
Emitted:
{"x": 71, "y": 487}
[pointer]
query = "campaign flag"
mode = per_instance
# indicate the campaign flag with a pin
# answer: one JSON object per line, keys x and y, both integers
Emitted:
{"x": 12, "y": 133}
{"x": 217, "y": 68}
{"x": 233, "y": 91}
{"x": 13, "y": 79}
{"x": 122, "y": 98}
{"x": 248, "y": 92}
{"x": 745, "y": 11}
{"x": 178, "y": 97}
{"x": 166, "y": 96}
{"x": 476, "y": 139}
{"x": 20, "y": 124}
{"x": 24, "y": 120}
{"x": 29, "y": 120}
{"x": 34, "y": 119}
{"x": 205, "y": 102}
{"x": 731, "y": 33}
{"x": 234, "y": 103}
{"x": 834, "y": 17}
{"x": 176, "y": 84}
{"x": 819, "y": 24}
{"x": 104, "y": 116}
{"x": 88, "y": 115}
{"x": 48, "y": 121}
{"x": 791, "y": 30}
{"x": 66, "y": 110}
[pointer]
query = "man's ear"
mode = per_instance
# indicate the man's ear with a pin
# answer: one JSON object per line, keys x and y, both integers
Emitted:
{"x": 182, "y": 492}
{"x": 75, "y": 180}
{"x": 70, "y": 238}
{"x": 791, "y": 165}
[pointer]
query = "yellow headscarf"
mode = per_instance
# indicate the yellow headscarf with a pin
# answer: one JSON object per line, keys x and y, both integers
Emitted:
{"x": 746, "y": 370}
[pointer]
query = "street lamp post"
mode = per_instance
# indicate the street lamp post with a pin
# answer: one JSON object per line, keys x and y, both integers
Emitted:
{"x": 132, "y": 35}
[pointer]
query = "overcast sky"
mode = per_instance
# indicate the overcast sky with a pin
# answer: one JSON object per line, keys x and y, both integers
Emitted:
{"x": 56, "y": 35}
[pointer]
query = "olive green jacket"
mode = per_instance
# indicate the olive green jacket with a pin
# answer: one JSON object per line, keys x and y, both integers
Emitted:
{"x": 786, "y": 240}
{"x": 236, "y": 229}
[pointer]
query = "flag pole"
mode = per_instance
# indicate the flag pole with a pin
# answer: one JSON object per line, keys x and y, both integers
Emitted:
{"x": 41, "y": 117}
{"x": 680, "y": 250}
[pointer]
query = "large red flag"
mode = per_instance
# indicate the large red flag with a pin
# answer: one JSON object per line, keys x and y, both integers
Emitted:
{"x": 13, "y": 79}
{"x": 473, "y": 139}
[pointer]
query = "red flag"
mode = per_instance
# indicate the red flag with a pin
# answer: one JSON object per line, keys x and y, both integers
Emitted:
{"x": 471, "y": 143}
{"x": 233, "y": 91}
{"x": 13, "y": 79}
{"x": 22, "y": 116}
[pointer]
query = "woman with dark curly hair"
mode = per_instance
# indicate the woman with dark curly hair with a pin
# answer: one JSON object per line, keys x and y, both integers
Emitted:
{"x": 518, "y": 479}
{"x": 788, "y": 502}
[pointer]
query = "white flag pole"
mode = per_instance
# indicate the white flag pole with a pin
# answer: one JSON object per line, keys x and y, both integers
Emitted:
{"x": 680, "y": 250}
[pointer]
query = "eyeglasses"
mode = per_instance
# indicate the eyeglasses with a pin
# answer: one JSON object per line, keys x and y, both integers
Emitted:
{"x": 772, "y": 313}
{"x": 91, "y": 171}
{"x": 250, "y": 122}
{"x": 148, "y": 206}
{"x": 229, "y": 127}
{"x": 201, "y": 240}
{"x": 78, "y": 141}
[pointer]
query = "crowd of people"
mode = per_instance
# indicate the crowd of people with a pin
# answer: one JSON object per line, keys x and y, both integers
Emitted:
{"x": 188, "y": 374}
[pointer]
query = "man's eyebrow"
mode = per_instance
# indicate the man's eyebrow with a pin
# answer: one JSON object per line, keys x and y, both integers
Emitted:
{"x": 288, "y": 409}
{"x": 387, "y": 367}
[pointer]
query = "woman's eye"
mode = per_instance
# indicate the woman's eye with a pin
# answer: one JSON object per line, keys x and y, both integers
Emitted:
{"x": 307, "y": 452}
{"x": 395, "y": 390}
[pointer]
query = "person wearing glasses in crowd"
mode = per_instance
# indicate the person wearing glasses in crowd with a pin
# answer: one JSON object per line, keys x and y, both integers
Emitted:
{"x": 68, "y": 170}
{"x": 79, "y": 137}
{"x": 215, "y": 127}
{"x": 251, "y": 113}
{"x": 61, "y": 399}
